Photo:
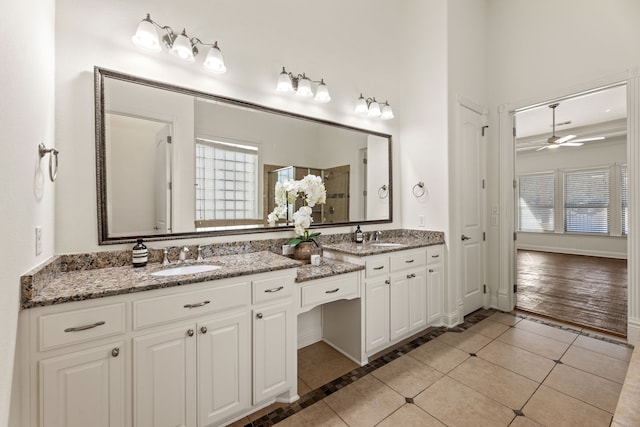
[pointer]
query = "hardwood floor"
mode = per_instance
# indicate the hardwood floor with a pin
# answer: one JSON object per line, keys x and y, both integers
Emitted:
{"x": 583, "y": 290}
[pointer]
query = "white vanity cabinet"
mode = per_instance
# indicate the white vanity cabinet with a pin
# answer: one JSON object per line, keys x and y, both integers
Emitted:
{"x": 274, "y": 339}
{"x": 187, "y": 355}
{"x": 435, "y": 285}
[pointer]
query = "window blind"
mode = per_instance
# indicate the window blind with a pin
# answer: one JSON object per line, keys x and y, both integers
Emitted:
{"x": 586, "y": 201}
{"x": 226, "y": 180}
{"x": 536, "y": 202}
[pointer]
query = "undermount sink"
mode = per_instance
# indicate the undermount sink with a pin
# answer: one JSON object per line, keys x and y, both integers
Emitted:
{"x": 387, "y": 244}
{"x": 186, "y": 269}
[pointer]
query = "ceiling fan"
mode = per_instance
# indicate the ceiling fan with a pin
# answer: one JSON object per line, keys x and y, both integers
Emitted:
{"x": 556, "y": 141}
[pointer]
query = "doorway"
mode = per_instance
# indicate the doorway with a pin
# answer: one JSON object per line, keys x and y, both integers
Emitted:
{"x": 571, "y": 211}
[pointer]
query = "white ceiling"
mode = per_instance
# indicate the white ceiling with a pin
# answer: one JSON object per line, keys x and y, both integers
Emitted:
{"x": 585, "y": 110}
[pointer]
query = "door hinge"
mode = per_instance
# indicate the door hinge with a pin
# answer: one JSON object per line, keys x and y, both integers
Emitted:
{"x": 364, "y": 193}
{"x": 484, "y": 128}
{"x": 515, "y": 236}
{"x": 515, "y": 288}
{"x": 169, "y": 139}
{"x": 514, "y": 131}
{"x": 484, "y": 289}
{"x": 364, "y": 161}
{"x": 483, "y": 184}
{"x": 515, "y": 184}
{"x": 170, "y": 186}
{"x": 484, "y": 236}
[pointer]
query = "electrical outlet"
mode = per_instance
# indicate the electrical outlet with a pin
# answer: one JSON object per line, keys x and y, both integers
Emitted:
{"x": 38, "y": 240}
{"x": 494, "y": 220}
{"x": 421, "y": 220}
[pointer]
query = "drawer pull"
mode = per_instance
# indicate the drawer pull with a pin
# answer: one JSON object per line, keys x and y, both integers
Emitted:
{"x": 259, "y": 315}
{"x": 85, "y": 327}
{"x": 272, "y": 290}
{"x": 190, "y": 332}
{"x": 411, "y": 276}
{"x": 332, "y": 291}
{"x": 435, "y": 256}
{"x": 431, "y": 270}
{"x": 115, "y": 352}
{"x": 387, "y": 282}
{"x": 199, "y": 304}
{"x": 409, "y": 261}
{"x": 378, "y": 268}
{"x": 203, "y": 329}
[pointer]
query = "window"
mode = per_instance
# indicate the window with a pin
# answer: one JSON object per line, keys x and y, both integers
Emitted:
{"x": 536, "y": 205}
{"x": 226, "y": 183}
{"x": 624, "y": 180}
{"x": 586, "y": 201}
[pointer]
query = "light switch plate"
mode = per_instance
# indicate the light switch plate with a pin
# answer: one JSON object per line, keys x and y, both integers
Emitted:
{"x": 38, "y": 240}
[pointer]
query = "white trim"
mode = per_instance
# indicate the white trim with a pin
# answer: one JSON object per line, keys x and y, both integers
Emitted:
{"x": 310, "y": 337}
{"x": 573, "y": 251}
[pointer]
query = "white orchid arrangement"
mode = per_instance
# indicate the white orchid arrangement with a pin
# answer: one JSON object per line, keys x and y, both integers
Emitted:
{"x": 312, "y": 187}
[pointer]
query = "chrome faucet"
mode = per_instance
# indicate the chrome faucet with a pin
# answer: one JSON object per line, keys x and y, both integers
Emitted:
{"x": 378, "y": 235}
{"x": 200, "y": 258}
{"x": 183, "y": 253}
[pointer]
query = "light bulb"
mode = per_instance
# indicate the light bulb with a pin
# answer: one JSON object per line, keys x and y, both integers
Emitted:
{"x": 387, "y": 112}
{"x": 146, "y": 36}
{"x": 304, "y": 87}
{"x": 322, "y": 93}
{"x": 214, "y": 61}
{"x": 284, "y": 82}
{"x": 374, "y": 109}
{"x": 361, "y": 106}
{"x": 183, "y": 48}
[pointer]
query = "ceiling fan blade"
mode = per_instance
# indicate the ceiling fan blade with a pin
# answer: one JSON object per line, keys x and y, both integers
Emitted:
{"x": 519, "y": 149}
{"x": 565, "y": 139}
{"x": 572, "y": 144}
{"x": 595, "y": 138}
{"x": 542, "y": 148}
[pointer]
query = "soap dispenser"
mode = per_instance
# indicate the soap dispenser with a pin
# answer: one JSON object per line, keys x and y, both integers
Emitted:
{"x": 359, "y": 236}
{"x": 139, "y": 254}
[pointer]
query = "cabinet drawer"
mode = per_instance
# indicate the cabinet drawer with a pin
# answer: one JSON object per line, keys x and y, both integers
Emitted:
{"x": 271, "y": 289}
{"x": 408, "y": 259}
{"x": 434, "y": 254}
{"x": 377, "y": 266}
{"x": 77, "y": 326}
{"x": 335, "y": 289}
{"x": 154, "y": 311}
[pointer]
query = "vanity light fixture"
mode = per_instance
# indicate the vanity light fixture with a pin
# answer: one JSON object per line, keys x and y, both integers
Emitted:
{"x": 370, "y": 107}
{"x": 180, "y": 45}
{"x": 301, "y": 85}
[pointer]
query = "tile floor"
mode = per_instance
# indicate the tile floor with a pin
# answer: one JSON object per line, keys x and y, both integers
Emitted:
{"x": 504, "y": 370}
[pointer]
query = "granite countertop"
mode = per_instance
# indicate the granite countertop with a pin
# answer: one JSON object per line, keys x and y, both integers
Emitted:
{"x": 327, "y": 268}
{"x": 369, "y": 248}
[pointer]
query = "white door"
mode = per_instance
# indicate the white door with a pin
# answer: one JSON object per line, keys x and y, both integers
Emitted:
{"x": 164, "y": 372}
{"x": 471, "y": 162}
{"x": 399, "y": 305}
{"x": 162, "y": 180}
{"x": 85, "y": 388}
{"x": 274, "y": 350}
{"x": 377, "y": 312}
{"x": 224, "y": 367}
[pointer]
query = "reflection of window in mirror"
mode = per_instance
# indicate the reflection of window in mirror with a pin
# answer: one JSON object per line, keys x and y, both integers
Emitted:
{"x": 227, "y": 183}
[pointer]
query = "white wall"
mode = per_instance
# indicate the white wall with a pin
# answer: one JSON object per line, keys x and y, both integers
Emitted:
{"x": 351, "y": 45}
{"x": 545, "y": 49}
{"x": 26, "y": 119}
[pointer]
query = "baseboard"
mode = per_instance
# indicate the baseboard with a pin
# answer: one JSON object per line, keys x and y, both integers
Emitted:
{"x": 451, "y": 319}
{"x": 310, "y": 337}
{"x": 345, "y": 354}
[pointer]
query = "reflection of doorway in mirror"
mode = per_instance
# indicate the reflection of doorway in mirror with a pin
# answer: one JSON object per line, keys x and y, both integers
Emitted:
{"x": 138, "y": 189}
{"x": 336, "y": 182}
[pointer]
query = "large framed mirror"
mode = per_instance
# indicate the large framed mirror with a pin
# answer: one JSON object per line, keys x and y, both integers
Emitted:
{"x": 172, "y": 163}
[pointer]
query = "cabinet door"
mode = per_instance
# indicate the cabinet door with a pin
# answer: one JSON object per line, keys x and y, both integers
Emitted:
{"x": 274, "y": 350}
{"x": 377, "y": 313}
{"x": 164, "y": 378}
{"x": 399, "y": 305}
{"x": 417, "y": 299}
{"x": 434, "y": 295}
{"x": 224, "y": 367}
{"x": 85, "y": 388}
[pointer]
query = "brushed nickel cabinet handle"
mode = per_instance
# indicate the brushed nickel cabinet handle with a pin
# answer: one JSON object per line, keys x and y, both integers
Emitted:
{"x": 435, "y": 256}
{"x": 378, "y": 268}
{"x": 85, "y": 327}
{"x": 272, "y": 290}
{"x": 388, "y": 282}
{"x": 409, "y": 261}
{"x": 411, "y": 276}
{"x": 203, "y": 329}
{"x": 115, "y": 352}
{"x": 431, "y": 270}
{"x": 190, "y": 332}
{"x": 196, "y": 305}
{"x": 259, "y": 315}
{"x": 332, "y": 292}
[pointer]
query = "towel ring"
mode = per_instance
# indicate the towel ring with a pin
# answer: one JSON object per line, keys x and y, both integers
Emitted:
{"x": 53, "y": 166}
{"x": 383, "y": 192}
{"x": 418, "y": 189}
